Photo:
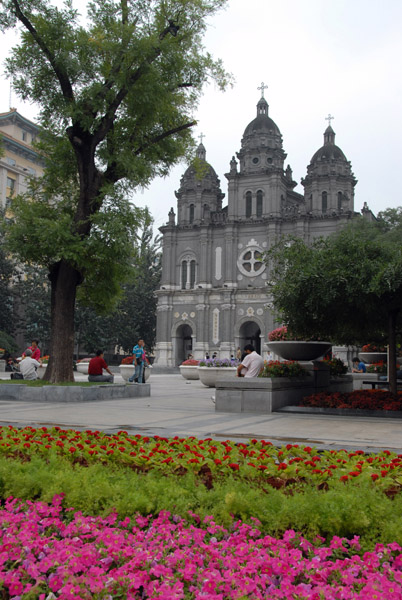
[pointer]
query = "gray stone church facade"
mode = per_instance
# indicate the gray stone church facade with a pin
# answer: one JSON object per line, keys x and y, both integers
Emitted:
{"x": 213, "y": 295}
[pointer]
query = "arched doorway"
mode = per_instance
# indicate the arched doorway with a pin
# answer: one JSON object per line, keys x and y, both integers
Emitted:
{"x": 250, "y": 333}
{"x": 184, "y": 343}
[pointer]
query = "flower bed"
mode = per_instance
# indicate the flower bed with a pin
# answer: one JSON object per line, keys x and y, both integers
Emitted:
{"x": 291, "y": 368}
{"x": 54, "y": 553}
{"x": 363, "y": 399}
{"x": 219, "y": 362}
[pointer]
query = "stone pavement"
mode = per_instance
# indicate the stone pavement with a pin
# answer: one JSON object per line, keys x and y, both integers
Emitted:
{"x": 184, "y": 408}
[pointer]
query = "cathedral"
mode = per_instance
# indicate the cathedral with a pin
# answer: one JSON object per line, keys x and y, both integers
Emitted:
{"x": 213, "y": 294}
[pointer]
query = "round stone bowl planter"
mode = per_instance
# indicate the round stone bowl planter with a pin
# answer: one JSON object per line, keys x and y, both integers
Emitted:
{"x": 127, "y": 370}
{"x": 40, "y": 371}
{"x": 189, "y": 371}
{"x": 294, "y": 350}
{"x": 373, "y": 357}
{"x": 82, "y": 367}
{"x": 209, "y": 375}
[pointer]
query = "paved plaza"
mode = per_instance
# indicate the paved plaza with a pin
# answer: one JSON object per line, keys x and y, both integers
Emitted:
{"x": 184, "y": 408}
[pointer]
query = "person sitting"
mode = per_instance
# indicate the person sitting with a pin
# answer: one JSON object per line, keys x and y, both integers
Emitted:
{"x": 252, "y": 364}
{"x": 358, "y": 366}
{"x": 28, "y": 366}
{"x": 95, "y": 369}
{"x": 35, "y": 350}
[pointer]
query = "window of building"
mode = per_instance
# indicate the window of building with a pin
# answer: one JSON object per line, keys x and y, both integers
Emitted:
{"x": 340, "y": 200}
{"x": 192, "y": 273}
{"x": 250, "y": 262}
{"x": 11, "y": 161}
{"x": 191, "y": 217}
{"x": 324, "y": 202}
{"x": 259, "y": 203}
{"x": 31, "y": 171}
{"x": 248, "y": 204}
{"x": 183, "y": 274}
{"x": 10, "y": 187}
{"x": 24, "y": 136}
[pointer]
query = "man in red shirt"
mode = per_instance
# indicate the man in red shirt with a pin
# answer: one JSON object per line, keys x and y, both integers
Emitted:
{"x": 95, "y": 369}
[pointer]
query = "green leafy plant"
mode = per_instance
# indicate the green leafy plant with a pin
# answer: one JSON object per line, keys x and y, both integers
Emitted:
{"x": 336, "y": 366}
{"x": 275, "y": 368}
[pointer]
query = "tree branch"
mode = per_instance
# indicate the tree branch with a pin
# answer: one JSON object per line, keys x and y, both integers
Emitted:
{"x": 162, "y": 136}
{"x": 64, "y": 81}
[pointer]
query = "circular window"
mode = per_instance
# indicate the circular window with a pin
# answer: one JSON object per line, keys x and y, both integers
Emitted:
{"x": 269, "y": 161}
{"x": 250, "y": 262}
{"x": 256, "y": 160}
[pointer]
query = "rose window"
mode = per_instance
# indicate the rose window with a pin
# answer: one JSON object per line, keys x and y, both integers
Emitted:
{"x": 250, "y": 262}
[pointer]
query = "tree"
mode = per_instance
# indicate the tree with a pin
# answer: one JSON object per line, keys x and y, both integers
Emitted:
{"x": 347, "y": 287}
{"x": 116, "y": 101}
{"x": 7, "y": 272}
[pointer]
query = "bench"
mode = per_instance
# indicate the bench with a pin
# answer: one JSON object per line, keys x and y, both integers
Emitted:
{"x": 375, "y": 384}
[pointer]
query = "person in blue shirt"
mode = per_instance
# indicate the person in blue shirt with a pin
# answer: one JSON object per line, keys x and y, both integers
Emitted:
{"x": 358, "y": 366}
{"x": 138, "y": 355}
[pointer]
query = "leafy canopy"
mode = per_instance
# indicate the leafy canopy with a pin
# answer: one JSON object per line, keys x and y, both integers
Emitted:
{"x": 343, "y": 287}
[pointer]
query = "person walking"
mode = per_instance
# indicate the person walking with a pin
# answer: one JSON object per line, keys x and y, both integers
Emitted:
{"x": 138, "y": 355}
{"x": 95, "y": 369}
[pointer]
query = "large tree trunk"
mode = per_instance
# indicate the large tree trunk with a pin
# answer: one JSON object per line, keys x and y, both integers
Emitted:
{"x": 392, "y": 317}
{"x": 64, "y": 281}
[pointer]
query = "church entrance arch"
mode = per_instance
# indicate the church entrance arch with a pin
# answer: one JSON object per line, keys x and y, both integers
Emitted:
{"x": 183, "y": 343}
{"x": 250, "y": 333}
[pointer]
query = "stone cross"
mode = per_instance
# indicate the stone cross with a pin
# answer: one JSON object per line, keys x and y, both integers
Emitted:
{"x": 329, "y": 119}
{"x": 201, "y": 136}
{"x": 262, "y": 88}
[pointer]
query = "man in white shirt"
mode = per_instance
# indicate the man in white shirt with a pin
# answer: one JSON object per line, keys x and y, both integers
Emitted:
{"x": 28, "y": 366}
{"x": 252, "y": 364}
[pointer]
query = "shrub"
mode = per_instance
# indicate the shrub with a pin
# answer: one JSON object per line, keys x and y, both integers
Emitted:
{"x": 127, "y": 360}
{"x": 373, "y": 348}
{"x": 219, "y": 362}
{"x": 190, "y": 362}
{"x": 279, "y": 334}
{"x": 291, "y": 368}
{"x": 336, "y": 366}
{"x": 364, "y": 399}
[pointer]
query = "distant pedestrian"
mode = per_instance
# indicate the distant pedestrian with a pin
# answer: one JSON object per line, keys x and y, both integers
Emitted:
{"x": 358, "y": 365}
{"x": 139, "y": 359}
{"x": 238, "y": 353}
{"x": 252, "y": 364}
{"x": 95, "y": 369}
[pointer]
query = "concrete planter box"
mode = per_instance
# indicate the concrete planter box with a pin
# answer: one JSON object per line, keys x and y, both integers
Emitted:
{"x": 127, "y": 370}
{"x": 373, "y": 357}
{"x": 343, "y": 383}
{"x": 189, "y": 371}
{"x": 64, "y": 393}
{"x": 210, "y": 375}
{"x": 358, "y": 379}
{"x": 40, "y": 371}
{"x": 260, "y": 394}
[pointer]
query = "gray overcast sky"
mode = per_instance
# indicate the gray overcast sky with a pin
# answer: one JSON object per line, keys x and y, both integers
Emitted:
{"x": 317, "y": 57}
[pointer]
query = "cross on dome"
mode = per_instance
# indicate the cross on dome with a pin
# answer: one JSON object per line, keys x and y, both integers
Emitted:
{"x": 201, "y": 137}
{"x": 262, "y": 88}
{"x": 329, "y": 119}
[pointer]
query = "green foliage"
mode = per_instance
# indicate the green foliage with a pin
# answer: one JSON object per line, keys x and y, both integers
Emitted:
{"x": 7, "y": 342}
{"x": 345, "y": 509}
{"x": 336, "y": 366}
{"x": 353, "y": 279}
{"x": 7, "y": 271}
{"x": 275, "y": 368}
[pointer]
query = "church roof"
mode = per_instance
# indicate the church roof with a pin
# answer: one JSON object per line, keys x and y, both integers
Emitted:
{"x": 329, "y": 151}
{"x": 262, "y": 123}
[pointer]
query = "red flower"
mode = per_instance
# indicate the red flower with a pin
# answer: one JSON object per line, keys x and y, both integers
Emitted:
{"x": 71, "y": 449}
{"x": 344, "y": 478}
{"x": 374, "y": 476}
{"x": 234, "y": 466}
{"x": 282, "y": 466}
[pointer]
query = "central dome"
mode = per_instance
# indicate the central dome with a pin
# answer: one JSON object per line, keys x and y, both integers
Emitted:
{"x": 262, "y": 123}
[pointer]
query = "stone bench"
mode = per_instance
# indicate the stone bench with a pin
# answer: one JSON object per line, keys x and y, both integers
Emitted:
{"x": 73, "y": 393}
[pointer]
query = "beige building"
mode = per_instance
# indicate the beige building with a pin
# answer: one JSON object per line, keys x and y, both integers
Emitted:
{"x": 19, "y": 159}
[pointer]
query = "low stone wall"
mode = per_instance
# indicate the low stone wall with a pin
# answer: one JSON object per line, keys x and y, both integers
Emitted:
{"x": 66, "y": 393}
{"x": 2, "y": 365}
{"x": 342, "y": 384}
{"x": 358, "y": 379}
{"x": 260, "y": 395}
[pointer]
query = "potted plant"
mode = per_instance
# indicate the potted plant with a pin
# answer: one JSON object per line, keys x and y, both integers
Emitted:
{"x": 189, "y": 369}
{"x": 82, "y": 365}
{"x": 287, "y": 346}
{"x": 211, "y": 368}
{"x": 276, "y": 368}
{"x": 373, "y": 353}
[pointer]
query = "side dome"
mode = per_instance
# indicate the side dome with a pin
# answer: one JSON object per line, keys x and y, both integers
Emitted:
{"x": 329, "y": 151}
{"x": 200, "y": 171}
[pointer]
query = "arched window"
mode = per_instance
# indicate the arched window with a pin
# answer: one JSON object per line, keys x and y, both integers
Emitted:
{"x": 183, "y": 274}
{"x": 259, "y": 203}
{"x": 248, "y": 204}
{"x": 192, "y": 273}
{"x": 340, "y": 195}
{"x": 324, "y": 202}
{"x": 191, "y": 218}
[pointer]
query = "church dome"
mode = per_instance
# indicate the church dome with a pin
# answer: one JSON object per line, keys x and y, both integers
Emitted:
{"x": 329, "y": 151}
{"x": 199, "y": 169}
{"x": 262, "y": 123}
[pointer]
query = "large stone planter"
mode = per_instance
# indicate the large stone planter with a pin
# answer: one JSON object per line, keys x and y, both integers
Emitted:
{"x": 82, "y": 367}
{"x": 126, "y": 371}
{"x": 299, "y": 350}
{"x": 210, "y": 375}
{"x": 40, "y": 371}
{"x": 373, "y": 357}
{"x": 2, "y": 365}
{"x": 189, "y": 371}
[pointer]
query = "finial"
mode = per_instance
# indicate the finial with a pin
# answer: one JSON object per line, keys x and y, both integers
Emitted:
{"x": 329, "y": 119}
{"x": 201, "y": 136}
{"x": 262, "y": 88}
